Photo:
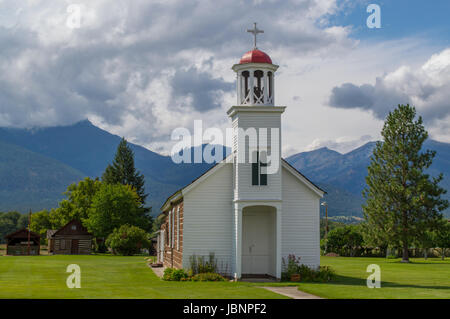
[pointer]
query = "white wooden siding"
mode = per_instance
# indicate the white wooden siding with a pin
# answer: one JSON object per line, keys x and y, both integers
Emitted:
{"x": 300, "y": 221}
{"x": 207, "y": 218}
{"x": 244, "y": 189}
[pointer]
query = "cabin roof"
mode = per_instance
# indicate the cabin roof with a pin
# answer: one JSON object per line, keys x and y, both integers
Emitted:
{"x": 80, "y": 230}
{"x": 50, "y": 232}
{"x": 22, "y": 233}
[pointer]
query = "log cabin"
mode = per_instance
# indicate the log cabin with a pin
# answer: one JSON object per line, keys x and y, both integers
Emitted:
{"x": 17, "y": 243}
{"x": 71, "y": 239}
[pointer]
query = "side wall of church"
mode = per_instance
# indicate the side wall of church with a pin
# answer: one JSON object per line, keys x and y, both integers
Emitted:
{"x": 208, "y": 219}
{"x": 300, "y": 221}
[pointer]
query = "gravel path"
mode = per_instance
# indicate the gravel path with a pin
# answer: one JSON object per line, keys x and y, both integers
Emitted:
{"x": 292, "y": 292}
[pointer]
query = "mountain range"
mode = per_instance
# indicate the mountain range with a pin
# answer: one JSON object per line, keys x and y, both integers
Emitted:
{"x": 37, "y": 165}
{"x": 343, "y": 175}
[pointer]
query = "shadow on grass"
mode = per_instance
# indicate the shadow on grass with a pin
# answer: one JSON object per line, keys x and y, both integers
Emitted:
{"x": 352, "y": 281}
{"x": 423, "y": 263}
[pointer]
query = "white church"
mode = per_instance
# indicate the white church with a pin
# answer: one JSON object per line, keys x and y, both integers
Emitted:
{"x": 248, "y": 216}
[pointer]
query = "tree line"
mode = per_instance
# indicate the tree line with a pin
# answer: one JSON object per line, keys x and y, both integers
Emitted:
{"x": 114, "y": 203}
{"x": 10, "y": 222}
{"x": 356, "y": 241}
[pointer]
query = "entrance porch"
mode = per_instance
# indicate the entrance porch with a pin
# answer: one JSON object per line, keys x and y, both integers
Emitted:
{"x": 257, "y": 240}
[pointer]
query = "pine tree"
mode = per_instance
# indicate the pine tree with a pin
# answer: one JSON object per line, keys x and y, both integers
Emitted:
{"x": 402, "y": 201}
{"x": 122, "y": 171}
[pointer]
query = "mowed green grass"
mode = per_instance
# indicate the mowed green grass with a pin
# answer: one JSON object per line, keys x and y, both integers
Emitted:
{"x": 418, "y": 279}
{"x": 104, "y": 276}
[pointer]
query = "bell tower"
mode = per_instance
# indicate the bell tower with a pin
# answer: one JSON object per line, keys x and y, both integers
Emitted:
{"x": 255, "y": 76}
{"x": 256, "y": 127}
{"x": 257, "y": 185}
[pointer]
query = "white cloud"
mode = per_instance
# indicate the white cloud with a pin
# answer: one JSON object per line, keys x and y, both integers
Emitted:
{"x": 141, "y": 68}
{"x": 426, "y": 87}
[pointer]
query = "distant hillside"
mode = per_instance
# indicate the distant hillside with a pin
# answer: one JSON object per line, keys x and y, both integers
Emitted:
{"x": 88, "y": 149}
{"x": 343, "y": 175}
{"x": 31, "y": 181}
{"x": 345, "y": 171}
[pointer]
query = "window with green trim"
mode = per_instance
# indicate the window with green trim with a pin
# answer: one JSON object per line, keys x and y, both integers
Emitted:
{"x": 259, "y": 173}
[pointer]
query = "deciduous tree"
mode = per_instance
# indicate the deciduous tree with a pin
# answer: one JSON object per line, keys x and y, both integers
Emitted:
{"x": 114, "y": 205}
{"x": 40, "y": 223}
{"x": 128, "y": 240}
{"x": 442, "y": 237}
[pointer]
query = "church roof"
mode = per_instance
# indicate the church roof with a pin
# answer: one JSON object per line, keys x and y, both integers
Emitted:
{"x": 255, "y": 56}
{"x": 178, "y": 194}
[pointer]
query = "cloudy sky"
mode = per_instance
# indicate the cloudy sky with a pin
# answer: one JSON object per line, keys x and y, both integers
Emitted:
{"x": 141, "y": 68}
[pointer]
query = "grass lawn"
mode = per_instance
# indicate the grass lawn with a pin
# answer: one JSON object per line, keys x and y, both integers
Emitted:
{"x": 418, "y": 279}
{"x": 104, "y": 276}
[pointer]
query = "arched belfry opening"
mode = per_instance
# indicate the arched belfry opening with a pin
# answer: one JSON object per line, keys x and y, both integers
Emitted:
{"x": 270, "y": 81}
{"x": 255, "y": 84}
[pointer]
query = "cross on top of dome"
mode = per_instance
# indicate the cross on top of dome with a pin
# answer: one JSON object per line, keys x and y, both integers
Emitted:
{"x": 255, "y": 55}
{"x": 255, "y": 32}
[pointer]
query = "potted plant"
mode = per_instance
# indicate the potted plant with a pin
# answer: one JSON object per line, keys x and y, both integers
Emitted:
{"x": 295, "y": 277}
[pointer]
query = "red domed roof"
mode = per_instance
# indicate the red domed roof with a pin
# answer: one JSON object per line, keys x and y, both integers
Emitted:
{"x": 255, "y": 56}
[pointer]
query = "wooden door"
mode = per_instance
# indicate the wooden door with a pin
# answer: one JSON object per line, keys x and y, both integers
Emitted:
{"x": 74, "y": 247}
{"x": 255, "y": 244}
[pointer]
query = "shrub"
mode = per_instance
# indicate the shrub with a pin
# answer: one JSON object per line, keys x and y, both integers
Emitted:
{"x": 208, "y": 276}
{"x": 293, "y": 267}
{"x": 128, "y": 240}
{"x": 322, "y": 274}
{"x": 173, "y": 274}
{"x": 99, "y": 245}
{"x": 199, "y": 265}
{"x": 346, "y": 241}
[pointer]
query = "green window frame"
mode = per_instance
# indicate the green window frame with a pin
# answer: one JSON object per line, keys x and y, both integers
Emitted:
{"x": 258, "y": 178}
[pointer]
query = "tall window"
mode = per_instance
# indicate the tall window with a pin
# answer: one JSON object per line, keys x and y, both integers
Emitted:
{"x": 269, "y": 75}
{"x": 169, "y": 232}
{"x": 259, "y": 173}
{"x": 178, "y": 228}
{"x": 258, "y": 87}
{"x": 245, "y": 76}
{"x": 173, "y": 228}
